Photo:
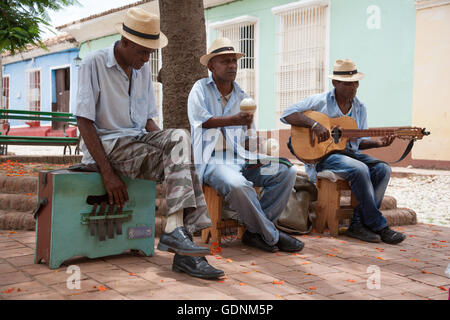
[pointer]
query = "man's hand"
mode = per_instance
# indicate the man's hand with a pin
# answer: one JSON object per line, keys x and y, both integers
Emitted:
{"x": 242, "y": 118}
{"x": 385, "y": 141}
{"x": 321, "y": 132}
{"x": 115, "y": 188}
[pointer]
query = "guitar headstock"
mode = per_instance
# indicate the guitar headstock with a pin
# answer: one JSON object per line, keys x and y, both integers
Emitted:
{"x": 409, "y": 133}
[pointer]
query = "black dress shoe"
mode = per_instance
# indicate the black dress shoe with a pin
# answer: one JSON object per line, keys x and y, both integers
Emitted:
{"x": 255, "y": 240}
{"x": 195, "y": 267}
{"x": 390, "y": 236}
{"x": 360, "y": 232}
{"x": 179, "y": 241}
{"x": 288, "y": 243}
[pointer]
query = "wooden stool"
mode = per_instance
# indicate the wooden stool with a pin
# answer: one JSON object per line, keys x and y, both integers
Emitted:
{"x": 329, "y": 209}
{"x": 214, "y": 204}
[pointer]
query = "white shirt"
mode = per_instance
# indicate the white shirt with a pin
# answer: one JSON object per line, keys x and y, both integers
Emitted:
{"x": 103, "y": 98}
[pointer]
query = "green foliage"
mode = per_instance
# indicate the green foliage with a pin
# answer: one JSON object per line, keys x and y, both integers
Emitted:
{"x": 21, "y": 21}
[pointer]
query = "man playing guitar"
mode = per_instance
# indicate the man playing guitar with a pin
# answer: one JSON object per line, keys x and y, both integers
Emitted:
{"x": 368, "y": 177}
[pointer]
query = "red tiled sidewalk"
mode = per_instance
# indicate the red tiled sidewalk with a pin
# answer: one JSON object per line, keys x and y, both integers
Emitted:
{"x": 327, "y": 268}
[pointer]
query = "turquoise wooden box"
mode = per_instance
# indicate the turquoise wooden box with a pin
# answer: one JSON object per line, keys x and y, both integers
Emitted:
{"x": 68, "y": 226}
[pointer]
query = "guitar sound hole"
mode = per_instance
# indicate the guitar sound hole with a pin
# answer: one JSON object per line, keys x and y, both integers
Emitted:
{"x": 336, "y": 134}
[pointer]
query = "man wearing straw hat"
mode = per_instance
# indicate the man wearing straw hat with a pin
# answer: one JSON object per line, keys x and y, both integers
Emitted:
{"x": 368, "y": 176}
{"x": 218, "y": 127}
{"x": 115, "y": 107}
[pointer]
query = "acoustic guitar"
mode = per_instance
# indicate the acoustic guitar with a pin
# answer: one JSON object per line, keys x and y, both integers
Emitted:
{"x": 306, "y": 147}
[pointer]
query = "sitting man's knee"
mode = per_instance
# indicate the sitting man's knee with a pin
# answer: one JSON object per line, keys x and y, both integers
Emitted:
{"x": 384, "y": 169}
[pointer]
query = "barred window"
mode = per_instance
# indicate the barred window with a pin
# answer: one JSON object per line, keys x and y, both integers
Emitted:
{"x": 155, "y": 66}
{"x": 301, "y": 51}
{"x": 34, "y": 90}
{"x": 5, "y": 94}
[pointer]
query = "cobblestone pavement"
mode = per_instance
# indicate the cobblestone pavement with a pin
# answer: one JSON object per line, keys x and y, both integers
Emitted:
{"x": 327, "y": 268}
{"x": 427, "y": 194}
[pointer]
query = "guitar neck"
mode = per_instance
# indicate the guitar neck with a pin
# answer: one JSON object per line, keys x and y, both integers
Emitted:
{"x": 358, "y": 133}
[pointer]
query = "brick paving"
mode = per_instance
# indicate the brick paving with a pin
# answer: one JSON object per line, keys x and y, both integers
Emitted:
{"x": 326, "y": 269}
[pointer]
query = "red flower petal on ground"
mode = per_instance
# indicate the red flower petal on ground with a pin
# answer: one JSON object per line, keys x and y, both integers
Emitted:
{"x": 443, "y": 288}
{"x": 278, "y": 282}
{"x": 8, "y": 291}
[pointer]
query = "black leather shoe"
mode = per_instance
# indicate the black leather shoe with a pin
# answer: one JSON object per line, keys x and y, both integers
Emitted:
{"x": 195, "y": 267}
{"x": 288, "y": 243}
{"x": 179, "y": 241}
{"x": 390, "y": 236}
{"x": 360, "y": 232}
{"x": 255, "y": 240}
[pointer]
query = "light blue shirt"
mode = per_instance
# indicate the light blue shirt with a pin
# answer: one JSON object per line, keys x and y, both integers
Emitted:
{"x": 103, "y": 98}
{"x": 326, "y": 103}
{"x": 204, "y": 103}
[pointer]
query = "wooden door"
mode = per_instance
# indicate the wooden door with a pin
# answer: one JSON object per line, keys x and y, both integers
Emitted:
{"x": 62, "y": 79}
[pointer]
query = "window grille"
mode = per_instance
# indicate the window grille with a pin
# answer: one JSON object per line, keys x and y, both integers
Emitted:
{"x": 242, "y": 35}
{"x": 155, "y": 66}
{"x": 5, "y": 94}
{"x": 301, "y": 53}
{"x": 34, "y": 90}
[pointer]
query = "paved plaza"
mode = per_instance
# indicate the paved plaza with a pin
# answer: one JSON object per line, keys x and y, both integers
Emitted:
{"x": 327, "y": 268}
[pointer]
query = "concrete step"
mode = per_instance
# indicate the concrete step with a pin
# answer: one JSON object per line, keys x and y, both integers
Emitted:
{"x": 17, "y": 220}
{"x": 400, "y": 216}
{"x": 18, "y": 202}
{"x": 388, "y": 202}
{"x": 17, "y": 184}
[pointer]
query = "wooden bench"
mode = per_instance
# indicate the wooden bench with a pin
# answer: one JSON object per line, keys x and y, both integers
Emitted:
{"x": 66, "y": 141}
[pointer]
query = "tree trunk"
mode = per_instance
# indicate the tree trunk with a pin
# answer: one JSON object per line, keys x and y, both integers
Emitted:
{"x": 183, "y": 22}
{"x": 1, "y": 81}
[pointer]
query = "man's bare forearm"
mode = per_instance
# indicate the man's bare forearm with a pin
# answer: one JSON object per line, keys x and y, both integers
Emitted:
{"x": 93, "y": 143}
{"x": 299, "y": 120}
{"x": 115, "y": 187}
{"x": 218, "y": 122}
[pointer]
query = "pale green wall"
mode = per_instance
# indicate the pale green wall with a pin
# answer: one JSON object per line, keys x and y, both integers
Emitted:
{"x": 97, "y": 44}
{"x": 267, "y": 50}
{"x": 385, "y": 55}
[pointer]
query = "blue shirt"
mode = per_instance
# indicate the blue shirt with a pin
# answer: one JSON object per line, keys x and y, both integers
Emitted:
{"x": 103, "y": 98}
{"x": 326, "y": 103}
{"x": 204, "y": 103}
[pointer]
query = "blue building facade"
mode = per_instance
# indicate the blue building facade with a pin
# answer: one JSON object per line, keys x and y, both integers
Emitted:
{"x": 41, "y": 81}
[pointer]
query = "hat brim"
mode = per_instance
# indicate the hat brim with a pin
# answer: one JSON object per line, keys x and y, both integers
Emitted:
{"x": 206, "y": 57}
{"x": 148, "y": 43}
{"x": 350, "y": 78}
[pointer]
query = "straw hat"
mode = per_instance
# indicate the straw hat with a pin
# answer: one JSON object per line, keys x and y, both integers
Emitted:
{"x": 218, "y": 47}
{"x": 345, "y": 70}
{"x": 142, "y": 27}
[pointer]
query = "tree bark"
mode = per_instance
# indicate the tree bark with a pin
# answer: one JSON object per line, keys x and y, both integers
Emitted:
{"x": 1, "y": 81}
{"x": 183, "y": 22}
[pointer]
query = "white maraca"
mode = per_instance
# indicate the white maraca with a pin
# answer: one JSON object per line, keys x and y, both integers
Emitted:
{"x": 248, "y": 105}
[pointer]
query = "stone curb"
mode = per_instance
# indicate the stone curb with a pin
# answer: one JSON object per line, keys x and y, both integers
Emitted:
{"x": 42, "y": 159}
{"x": 17, "y": 220}
{"x": 14, "y": 184}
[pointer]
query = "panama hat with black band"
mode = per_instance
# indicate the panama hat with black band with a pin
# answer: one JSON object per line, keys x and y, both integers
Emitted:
{"x": 345, "y": 70}
{"x": 220, "y": 46}
{"x": 143, "y": 28}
